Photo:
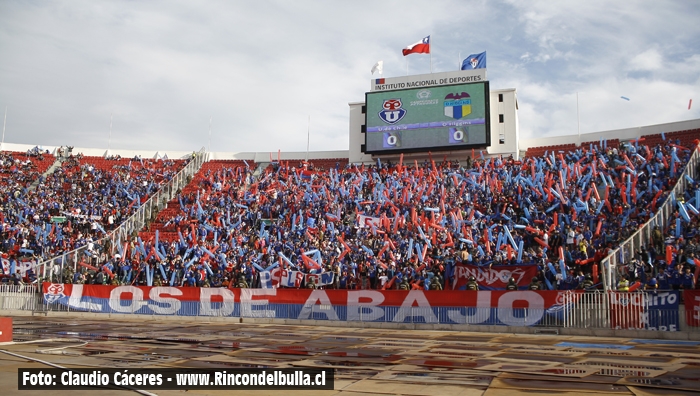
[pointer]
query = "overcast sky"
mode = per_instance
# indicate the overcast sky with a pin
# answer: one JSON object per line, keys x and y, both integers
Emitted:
{"x": 260, "y": 69}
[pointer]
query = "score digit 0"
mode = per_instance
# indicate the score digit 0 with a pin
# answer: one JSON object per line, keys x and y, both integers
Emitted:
{"x": 457, "y": 136}
{"x": 392, "y": 140}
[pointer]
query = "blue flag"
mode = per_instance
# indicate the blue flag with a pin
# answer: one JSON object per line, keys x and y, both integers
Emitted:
{"x": 475, "y": 61}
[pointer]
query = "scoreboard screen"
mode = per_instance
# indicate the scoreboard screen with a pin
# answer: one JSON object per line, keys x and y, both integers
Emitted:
{"x": 448, "y": 117}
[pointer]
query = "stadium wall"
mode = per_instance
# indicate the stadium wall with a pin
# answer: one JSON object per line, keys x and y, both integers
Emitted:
{"x": 622, "y": 134}
{"x": 510, "y": 130}
{"x": 98, "y": 152}
{"x": 258, "y": 157}
{"x": 264, "y": 156}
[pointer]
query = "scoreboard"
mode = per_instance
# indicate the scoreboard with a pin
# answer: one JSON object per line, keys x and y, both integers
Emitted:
{"x": 445, "y": 117}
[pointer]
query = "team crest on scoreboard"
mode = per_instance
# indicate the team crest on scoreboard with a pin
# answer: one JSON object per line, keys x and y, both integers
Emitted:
{"x": 458, "y": 105}
{"x": 392, "y": 112}
{"x": 424, "y": 94}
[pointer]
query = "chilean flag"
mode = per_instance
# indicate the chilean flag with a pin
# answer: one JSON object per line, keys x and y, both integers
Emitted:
{"x": 421, "y": 47}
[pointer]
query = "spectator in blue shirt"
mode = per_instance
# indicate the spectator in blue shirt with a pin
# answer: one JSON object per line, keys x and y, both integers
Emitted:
{"x": 675, "y": 277}
{"x": 663, "y": 278}
{"x": 688, "y": 280}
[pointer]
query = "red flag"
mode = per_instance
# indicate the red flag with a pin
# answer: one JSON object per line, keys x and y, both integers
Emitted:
{"x": 421, "y": 47}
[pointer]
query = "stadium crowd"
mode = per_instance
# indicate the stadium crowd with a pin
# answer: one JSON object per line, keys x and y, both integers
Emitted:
{"x": 394, "y": 225}
{"x": 45, "y": 215}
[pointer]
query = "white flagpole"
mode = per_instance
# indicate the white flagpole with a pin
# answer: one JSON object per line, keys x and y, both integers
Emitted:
{"x": 578, "y": 121}
{"x": 210, "y": 118}
{"x": 459, "y": 63}
{"x": 406, "y": 64}
{"x": 308, "y": 138}
{"x": 109, "y": 141}
{"x": 2, "y": 146}
{"x": 431, "y": 54}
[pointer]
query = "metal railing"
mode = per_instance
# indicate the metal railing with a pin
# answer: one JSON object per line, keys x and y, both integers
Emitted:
{"x": 23, "y": 297}
{"x": 53, "y": 268}
{"x": 625, "y": 252}
{"x": 22, "y": 288}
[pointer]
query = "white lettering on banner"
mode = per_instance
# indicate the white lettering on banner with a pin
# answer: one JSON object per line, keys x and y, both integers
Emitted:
{"x": 266, "y": 279}
{"x": 298, "y": 277}
{"x": 407, "y": 310}
{"x": 369, "y": 221}
{"x": 535, "y": 308}
{"x": 624, "y": 299}
{"x": 247, "y": 303}
{"x": 481, "y": 314}
{"x": 670, "y": 327}
{"x": 75, "y": 297}
{"x": 356, "y": 308}
{"x": 23, "y": 266}
{"x": 136, "y": 302}
{"x": 662, "y": 298}
{"x": 310, "y": 306}
{"x": 488, "y": 276}
{"x": 285, "y": 278}
{"x": 362, "y": 305}
{"x": 82, "y": 216}
{"x": 173, "y": 303}
{"x": 205, "y": 303}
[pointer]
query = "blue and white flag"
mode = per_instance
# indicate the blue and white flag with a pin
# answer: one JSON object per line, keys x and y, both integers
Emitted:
{"x": 474, "y": 61}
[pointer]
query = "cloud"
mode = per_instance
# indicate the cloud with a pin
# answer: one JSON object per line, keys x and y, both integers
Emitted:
{"x": 648, "y": 60}
{"x": 260, "y": 69}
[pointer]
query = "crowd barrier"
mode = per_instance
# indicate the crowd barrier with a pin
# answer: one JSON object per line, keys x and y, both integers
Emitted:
{"x": 660, "y": 311}
{"x": 21, "y": 297}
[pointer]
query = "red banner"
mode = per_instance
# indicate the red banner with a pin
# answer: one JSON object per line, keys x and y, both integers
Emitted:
{"x": 692, "y": 307}
{"x": 493, "y": 278}
{"x": 385, "y": 298}
{"x": 511, "y": 308}
{"x": 627, "y": 310}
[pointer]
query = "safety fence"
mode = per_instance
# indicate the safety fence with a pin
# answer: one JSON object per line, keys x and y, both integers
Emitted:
{"x": 625, "y": 252}
{"x": 21, "y": 297}
{"x": 659, "y": 310}
{"x": 52, "y": 269}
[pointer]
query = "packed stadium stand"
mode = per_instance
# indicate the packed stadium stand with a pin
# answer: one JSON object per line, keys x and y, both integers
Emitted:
{"x": 74, "y": 205}
{"x": 24, "y": 167}
{"x": 561, "y": 210}
{"x": 225, "y": 172}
